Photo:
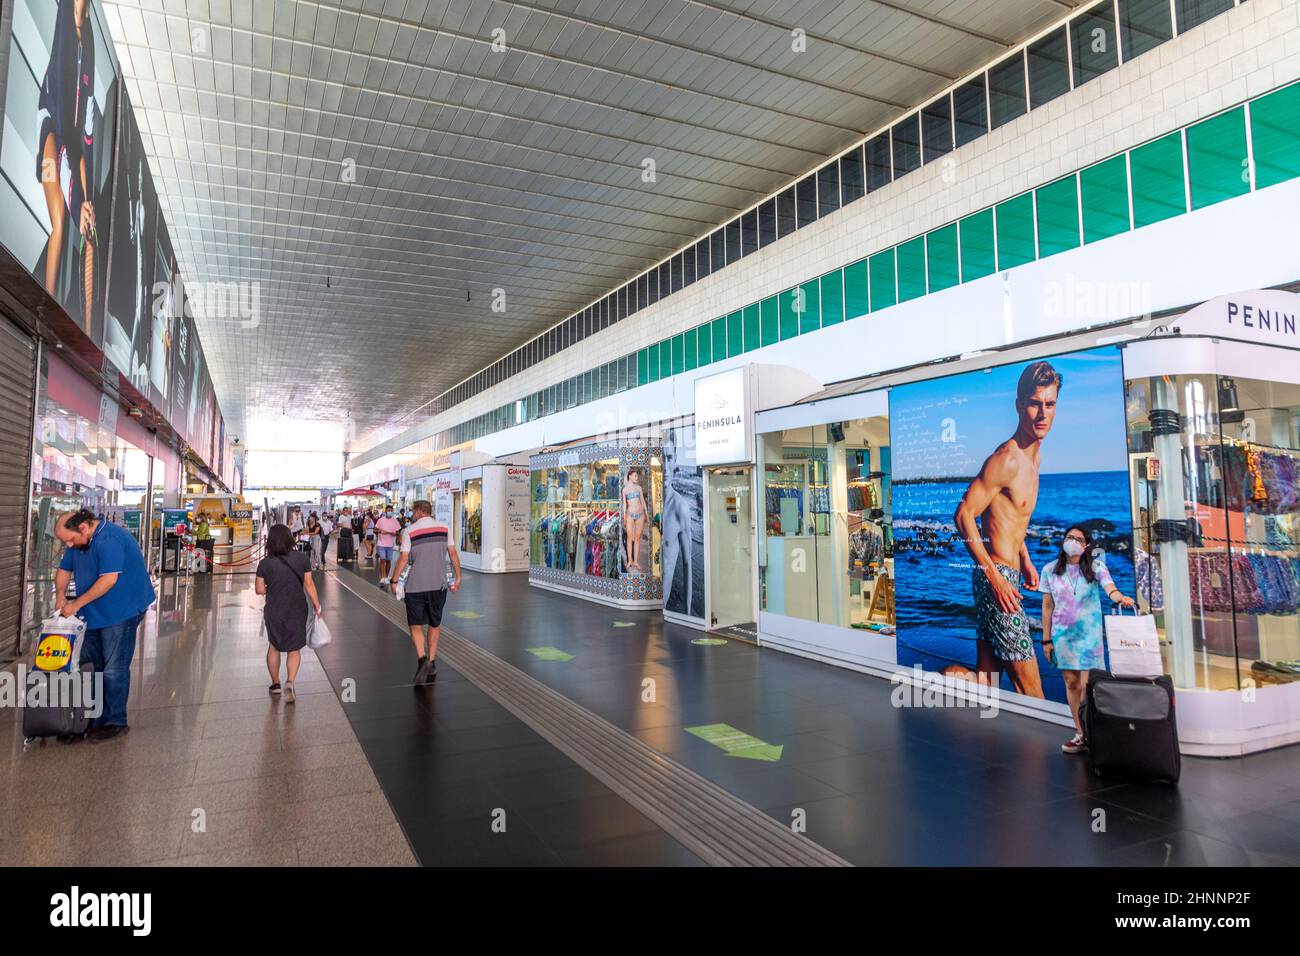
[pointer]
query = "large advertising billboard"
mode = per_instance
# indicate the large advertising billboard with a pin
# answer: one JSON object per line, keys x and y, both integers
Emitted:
{"x": 166, "y": 299}
{"x": 184, "y": 348}
{"x": 683, "y": 525}
{"x": 991, "y": 468}
{"x": 56, "y": 152}
{"x": 128, "y": 326}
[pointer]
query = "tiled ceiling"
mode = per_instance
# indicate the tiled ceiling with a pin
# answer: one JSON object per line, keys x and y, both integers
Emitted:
{"x": 477, "y": 169}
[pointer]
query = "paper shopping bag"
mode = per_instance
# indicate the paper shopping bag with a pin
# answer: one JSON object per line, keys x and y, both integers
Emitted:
{"x": 1133, "y": 645}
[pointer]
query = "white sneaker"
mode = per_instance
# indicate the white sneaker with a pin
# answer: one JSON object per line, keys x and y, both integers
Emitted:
{"x": 384, "y": 582}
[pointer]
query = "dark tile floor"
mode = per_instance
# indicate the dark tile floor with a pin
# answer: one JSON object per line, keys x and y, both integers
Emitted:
{"x": 873, "y": 783}
{"x": 469, "y": 783}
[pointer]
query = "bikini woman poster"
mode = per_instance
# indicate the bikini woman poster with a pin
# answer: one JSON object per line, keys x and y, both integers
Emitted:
{"x": 128, "y": 326}
{"x": 995, "y": 465}
{"x": 56, "y": 152}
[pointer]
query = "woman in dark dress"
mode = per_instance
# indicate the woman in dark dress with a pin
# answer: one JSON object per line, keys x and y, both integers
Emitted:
{"x": 283, "y": 576}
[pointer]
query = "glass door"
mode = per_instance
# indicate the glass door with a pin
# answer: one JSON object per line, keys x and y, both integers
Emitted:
{"x": 731, "y": 559}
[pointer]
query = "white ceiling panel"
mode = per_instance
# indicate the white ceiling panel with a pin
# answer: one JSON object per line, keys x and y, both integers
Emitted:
{"x": 477, "y": 169}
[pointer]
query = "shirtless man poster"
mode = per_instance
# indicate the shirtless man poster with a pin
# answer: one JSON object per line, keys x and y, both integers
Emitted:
{"x": 992, "y": 519}
{"x": 987, "y": 470}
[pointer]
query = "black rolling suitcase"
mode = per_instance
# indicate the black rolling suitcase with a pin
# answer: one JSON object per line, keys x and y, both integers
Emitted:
{"x": 1131, "y": 729}
{"x": 58, "y": 685}
{"x": 346, "y": 550}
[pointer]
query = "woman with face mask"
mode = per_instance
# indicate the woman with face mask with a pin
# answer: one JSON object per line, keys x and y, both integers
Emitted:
{"x": 1073, "y": 636}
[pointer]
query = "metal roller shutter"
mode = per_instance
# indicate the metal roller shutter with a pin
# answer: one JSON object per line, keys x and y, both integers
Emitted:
{"x": 18, "y": 380}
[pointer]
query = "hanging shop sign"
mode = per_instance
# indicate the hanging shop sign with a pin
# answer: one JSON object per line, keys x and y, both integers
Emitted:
{"x": 724, "y": 425}
{"x": 1266, "y": 316}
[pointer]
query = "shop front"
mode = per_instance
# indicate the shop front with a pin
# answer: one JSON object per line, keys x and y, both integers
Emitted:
{"x": 494, "y": 518}
{"x": 595, "y": 523}
{"x": 85, "y": 455}
{"x": 1213, "y": 421}
{"x": 709, "y": 513}
{"x": 910, "y": 525}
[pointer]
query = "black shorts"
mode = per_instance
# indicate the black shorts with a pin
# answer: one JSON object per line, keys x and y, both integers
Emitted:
{"x": 425, "y": 607}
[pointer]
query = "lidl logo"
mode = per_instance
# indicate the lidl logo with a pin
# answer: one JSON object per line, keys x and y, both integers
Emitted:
{"x": 53, "y": 653}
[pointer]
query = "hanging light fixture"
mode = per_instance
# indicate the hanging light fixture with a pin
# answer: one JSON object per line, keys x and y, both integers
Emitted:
{"x": 1230, "y": 411}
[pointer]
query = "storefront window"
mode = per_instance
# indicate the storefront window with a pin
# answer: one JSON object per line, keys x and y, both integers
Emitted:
{"x": 576, "y": 523}
{"x": 471, "y": 522}
{"x": 826, "y": 542}
{"x": 598, "y": 516}
{"x": 1215, "y": 469}
{"x": 77, "y": 462}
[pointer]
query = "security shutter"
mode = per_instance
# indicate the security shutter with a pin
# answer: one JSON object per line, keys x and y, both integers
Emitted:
{"x": 18, "y": 380}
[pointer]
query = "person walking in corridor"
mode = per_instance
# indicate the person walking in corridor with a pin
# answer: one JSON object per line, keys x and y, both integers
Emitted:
{"x": 326, "y": 529}
{"x": 368, "y": 528}
{"x": 282, "y": 576}
{"x": 435, "y": 570}
{"x": 386, "y": 529}
{"x": 113, "y": 593}
{"x": 314, "y": 541}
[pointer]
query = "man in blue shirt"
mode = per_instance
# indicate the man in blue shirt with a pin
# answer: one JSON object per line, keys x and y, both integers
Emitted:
{"x": 113, "y": 593}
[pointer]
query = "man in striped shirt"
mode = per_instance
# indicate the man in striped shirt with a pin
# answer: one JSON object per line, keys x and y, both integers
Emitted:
{"x": 435, "y": 569}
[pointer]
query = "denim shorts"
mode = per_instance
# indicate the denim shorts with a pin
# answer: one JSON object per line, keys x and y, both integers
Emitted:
{"x": 385, "y": 554}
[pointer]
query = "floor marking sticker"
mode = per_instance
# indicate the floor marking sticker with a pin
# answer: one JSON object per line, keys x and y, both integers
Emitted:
{"x": 549, "y": 654}
{"x": 737, "y": 743}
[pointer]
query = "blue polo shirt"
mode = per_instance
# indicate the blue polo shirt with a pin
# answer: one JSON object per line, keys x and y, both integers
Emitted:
{"x": 112, "y": 551}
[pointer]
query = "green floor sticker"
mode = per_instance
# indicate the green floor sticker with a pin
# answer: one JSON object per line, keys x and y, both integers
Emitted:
{"x": 549, "y": 654}
{"x": 709, "y": 641}
{"x": 625, "y": 623}
{"x": 737, "y": 743}
{"x": 467, "y": 615}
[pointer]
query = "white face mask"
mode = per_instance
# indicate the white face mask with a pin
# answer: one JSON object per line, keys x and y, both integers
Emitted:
{"x": 1073, "y": 548}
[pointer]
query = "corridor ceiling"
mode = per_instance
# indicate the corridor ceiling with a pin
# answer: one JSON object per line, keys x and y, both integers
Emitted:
{"x": 376, "y": 167}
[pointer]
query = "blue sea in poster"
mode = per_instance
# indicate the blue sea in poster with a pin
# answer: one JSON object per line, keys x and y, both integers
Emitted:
{"x": 935, "y": 613}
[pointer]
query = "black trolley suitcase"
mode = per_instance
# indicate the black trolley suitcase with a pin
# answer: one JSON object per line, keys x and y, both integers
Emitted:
{"x": 1131, "y": 729}
{"x": 52, "y": 705}
{"x": 346, "y": 550}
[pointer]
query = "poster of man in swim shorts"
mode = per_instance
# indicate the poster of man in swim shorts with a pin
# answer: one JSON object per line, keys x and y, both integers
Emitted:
{"x": 990, "y": 468}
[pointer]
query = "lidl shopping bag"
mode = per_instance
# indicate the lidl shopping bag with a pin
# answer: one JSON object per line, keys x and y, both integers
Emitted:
{"x": 1133, "y": 645}
{"x": 58, "y": 646}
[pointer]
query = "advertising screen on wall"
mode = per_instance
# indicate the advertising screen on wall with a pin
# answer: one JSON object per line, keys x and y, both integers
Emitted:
{"x": 197, "y": 389}
{"x": 166, "y": 299}
{"x": 683, "y": 525}
{"x": 184, "y": 348}
{"x": 991, "y": 469}
{"x": 56, "y": 151}
{"x": 128, "y": 328}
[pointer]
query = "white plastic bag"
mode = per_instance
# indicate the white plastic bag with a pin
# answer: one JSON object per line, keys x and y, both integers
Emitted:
{"x": 1133, "y": 645}
{"x": 319, "y": 635}
{"x": 58, "y": 645}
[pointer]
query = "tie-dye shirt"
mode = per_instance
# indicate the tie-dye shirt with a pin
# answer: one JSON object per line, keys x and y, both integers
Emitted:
{"x": 1078, "y": 637}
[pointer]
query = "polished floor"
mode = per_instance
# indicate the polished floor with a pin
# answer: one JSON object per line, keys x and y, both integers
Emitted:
{"x": 368, "y": 769}
{"x": 213, "y": 771}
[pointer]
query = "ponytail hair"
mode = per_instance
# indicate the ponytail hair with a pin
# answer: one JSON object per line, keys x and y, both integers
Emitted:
{"x": 78, "y": 518}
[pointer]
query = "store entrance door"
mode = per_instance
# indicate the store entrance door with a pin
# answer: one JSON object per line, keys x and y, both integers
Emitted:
{"x": 731, "y": 552}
